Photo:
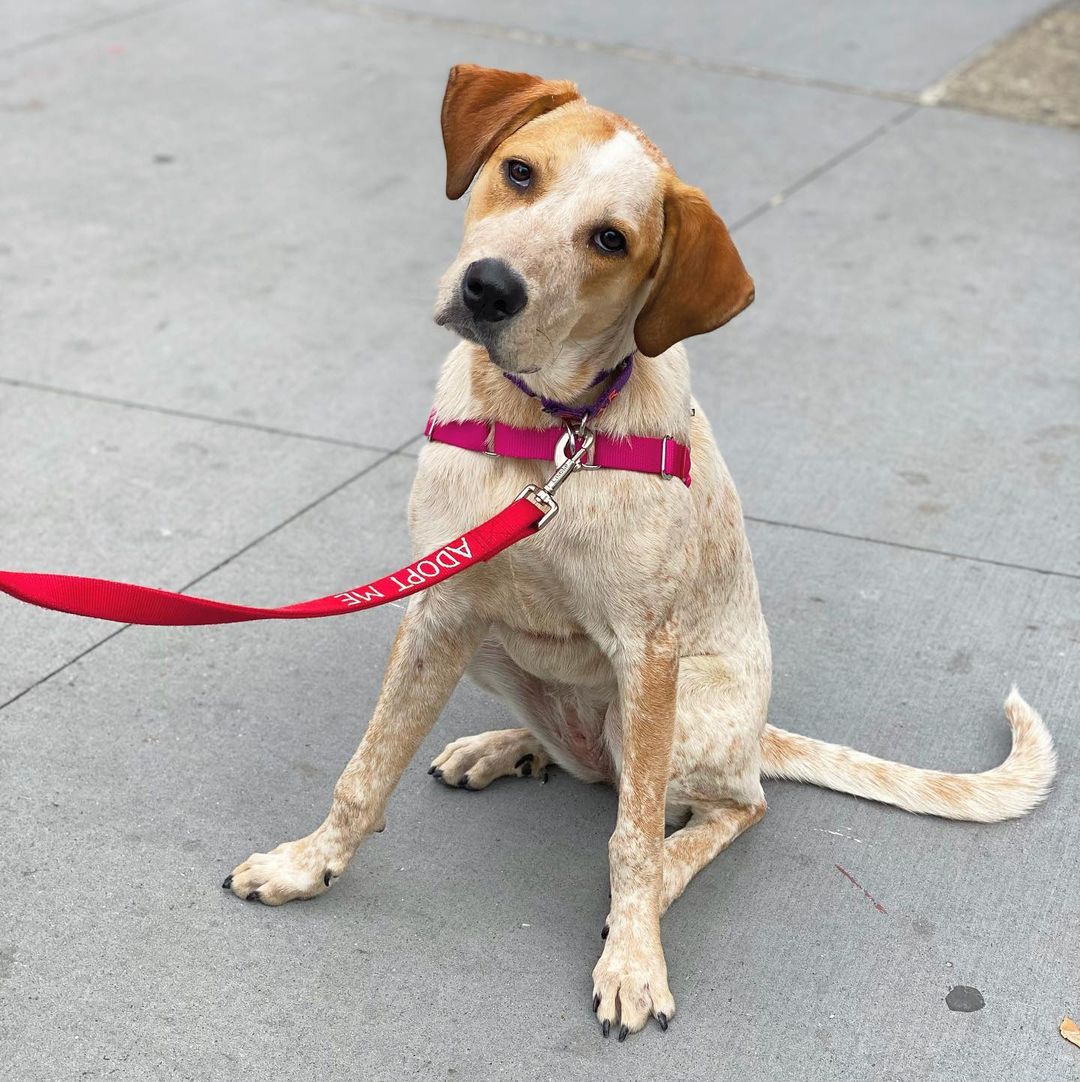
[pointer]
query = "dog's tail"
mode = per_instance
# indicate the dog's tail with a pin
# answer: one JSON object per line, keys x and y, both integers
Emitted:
{"x": 1006, "y": 792}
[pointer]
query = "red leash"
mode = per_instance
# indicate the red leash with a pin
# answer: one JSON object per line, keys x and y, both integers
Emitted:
{"x": 128, "y": 604}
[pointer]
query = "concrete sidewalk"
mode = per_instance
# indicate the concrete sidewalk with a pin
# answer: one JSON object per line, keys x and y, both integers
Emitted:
{"x": 220, "y": 229}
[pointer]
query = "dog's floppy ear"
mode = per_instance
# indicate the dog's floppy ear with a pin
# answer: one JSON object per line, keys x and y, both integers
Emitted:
{"x": 700, "y": 282}
{"x": 484, "y": 106}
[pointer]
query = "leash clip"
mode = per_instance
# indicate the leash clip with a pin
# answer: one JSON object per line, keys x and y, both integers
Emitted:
{"x": 544, "y": 496}
{"x": 567, "y": 444}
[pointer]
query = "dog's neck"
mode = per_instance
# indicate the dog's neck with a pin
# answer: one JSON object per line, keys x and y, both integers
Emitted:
{"x": 656, "y": 399}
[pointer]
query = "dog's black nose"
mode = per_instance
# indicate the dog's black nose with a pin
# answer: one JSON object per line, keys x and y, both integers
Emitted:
{"x": 492, "y": 291}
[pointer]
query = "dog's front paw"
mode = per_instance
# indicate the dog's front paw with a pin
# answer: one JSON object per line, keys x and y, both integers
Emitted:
{"x": 630, "y": 983}
{"x": 300, "y": 869}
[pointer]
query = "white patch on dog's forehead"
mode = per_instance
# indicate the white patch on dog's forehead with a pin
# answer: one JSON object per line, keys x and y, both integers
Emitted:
{"x": 618, "y": 174}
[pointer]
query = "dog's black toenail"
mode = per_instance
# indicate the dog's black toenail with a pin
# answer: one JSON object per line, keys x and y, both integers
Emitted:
{"x": 663, "y": 1020}
{"x": 437, "y": 772}
{"x": 623, "y": 1033}
{"x": 526, "y": 770}
{"x": 596, "y": 1003}
{"x": 253, "y": 896}
{"x": 523, "y": 760}
{"x": 227, "y": 883}
{"x": 326, "y": 879}
{"x": 464, "y": 783}
{"x": 431, "y": 770}
{"x": 544, "y": 778}
{"x": 605, "y": 1028}
{"x": 604, "y": 932}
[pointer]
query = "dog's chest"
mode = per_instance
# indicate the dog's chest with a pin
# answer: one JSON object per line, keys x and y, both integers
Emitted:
{"x": 612, "y": 549}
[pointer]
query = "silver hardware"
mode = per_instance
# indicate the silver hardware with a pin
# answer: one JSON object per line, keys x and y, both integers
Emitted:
{"x": 663, "y": 459}
{"x": 565, "y": 446}
{"x": 491, "y": 439}
{"x": 542, "y": 500}
{"x": 544, "y": 496}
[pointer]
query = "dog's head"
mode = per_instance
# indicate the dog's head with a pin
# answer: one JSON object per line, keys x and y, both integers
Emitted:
{"x": 579, "y": 238}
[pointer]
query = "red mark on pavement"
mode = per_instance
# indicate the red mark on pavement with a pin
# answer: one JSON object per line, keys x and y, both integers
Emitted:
{"x": 866, "y": 894}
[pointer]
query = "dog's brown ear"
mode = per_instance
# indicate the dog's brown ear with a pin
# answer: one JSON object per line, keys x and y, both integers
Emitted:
{"x": 700, "y": 282}
{"x": 484, "y": 106}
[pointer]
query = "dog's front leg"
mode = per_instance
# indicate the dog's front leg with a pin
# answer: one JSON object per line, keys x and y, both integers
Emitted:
{"x": 433, "y": 645}
{"x": 630, "y": 980}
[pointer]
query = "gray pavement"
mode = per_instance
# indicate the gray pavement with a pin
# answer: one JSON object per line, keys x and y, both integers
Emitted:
{"x": 220, "y": 228}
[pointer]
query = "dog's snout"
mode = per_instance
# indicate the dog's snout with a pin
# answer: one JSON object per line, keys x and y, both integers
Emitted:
{"x": 492, "y": 291}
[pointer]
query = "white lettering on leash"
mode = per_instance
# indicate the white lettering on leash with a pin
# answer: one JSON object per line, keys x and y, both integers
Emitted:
{"x": 355, "y": 597}
{"x": 431, "y": 568}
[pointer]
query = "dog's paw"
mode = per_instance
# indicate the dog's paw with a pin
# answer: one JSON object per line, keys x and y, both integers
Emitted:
{"x": 630, "y": 984}
{"x": 300, "y": 869}
{"x": 474, "y": 762}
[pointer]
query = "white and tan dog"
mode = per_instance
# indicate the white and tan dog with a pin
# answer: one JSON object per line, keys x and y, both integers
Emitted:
{"x": 626, "y": 638}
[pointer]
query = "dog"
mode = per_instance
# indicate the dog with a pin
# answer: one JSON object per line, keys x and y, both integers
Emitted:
{"x": 626, "y": 638}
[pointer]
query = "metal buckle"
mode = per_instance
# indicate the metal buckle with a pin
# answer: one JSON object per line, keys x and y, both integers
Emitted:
{"x": 491, "y": 439}
{"x": 663, "y": 459}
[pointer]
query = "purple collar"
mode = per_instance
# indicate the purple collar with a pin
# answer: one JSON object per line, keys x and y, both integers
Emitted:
{"x": 621, "y": 372}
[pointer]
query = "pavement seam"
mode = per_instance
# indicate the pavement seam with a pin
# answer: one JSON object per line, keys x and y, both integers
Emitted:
{"x": 826, "y": 166}
{"x": 908, "y": 547}
{"x": 622, "y": 50}
{"x": 191, "y": 415}
{"x": 87, "y": 28}
{"x": 923, "y": 99}
{"x": 397, "y": 453}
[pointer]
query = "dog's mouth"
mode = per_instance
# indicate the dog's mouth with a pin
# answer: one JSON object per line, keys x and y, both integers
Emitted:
{"x": 457, "y": 318}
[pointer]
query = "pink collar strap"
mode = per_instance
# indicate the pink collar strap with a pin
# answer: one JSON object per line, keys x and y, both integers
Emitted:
{"x": 663, "y": 456}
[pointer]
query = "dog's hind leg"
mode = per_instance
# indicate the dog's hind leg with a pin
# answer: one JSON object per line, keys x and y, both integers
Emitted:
{"x": 711, "y": 830}
{"x": 474, "y": 762}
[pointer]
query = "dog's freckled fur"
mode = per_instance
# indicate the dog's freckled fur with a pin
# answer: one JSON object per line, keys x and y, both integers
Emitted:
{"x": 626, "y": 638}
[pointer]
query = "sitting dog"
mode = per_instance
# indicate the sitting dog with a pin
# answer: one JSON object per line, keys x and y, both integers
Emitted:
{"x": 626, "y": 637}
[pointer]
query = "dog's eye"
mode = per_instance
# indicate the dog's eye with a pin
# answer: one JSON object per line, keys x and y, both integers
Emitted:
{"x": 609, "y": 240}
{"x": 519, "y": 173}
